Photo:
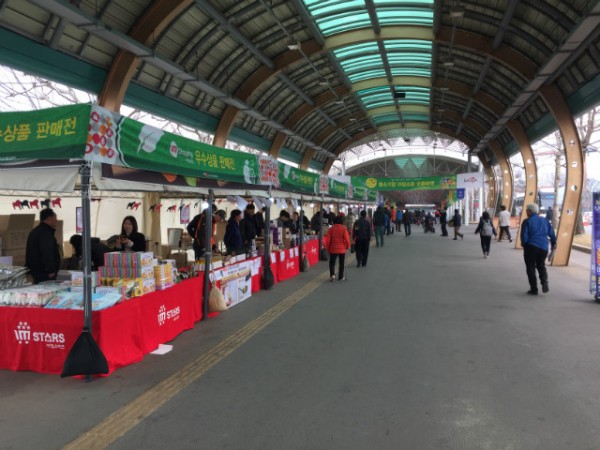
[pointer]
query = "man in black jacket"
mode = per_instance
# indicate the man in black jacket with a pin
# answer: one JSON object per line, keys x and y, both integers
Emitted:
{"x": 197, "y": 229}
{"x": 379, "y": 225}
{"x": 443, "y": 221}
{"x": 42, "y": 256}
{"x": 361, "y": 232}
{"x": 248, "y": 226}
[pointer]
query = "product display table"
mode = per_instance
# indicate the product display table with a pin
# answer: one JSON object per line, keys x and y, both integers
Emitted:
{"x": 40, "y": 339}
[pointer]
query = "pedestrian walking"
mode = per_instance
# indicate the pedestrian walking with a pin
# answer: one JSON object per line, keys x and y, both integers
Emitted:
{"x": 504, "y": 224}
{"x": 361, "y": 232}
{"x": 379, "y": 225}
{"x": 407, "y": 219}
{"x": 399, "y": 214}
{"x": 337, "y": 242}
{"x": 443, "y": 222}
{"x": 486, "y": 230}
{"x": 535, "y": 232}
{"x": 457, "y": 219}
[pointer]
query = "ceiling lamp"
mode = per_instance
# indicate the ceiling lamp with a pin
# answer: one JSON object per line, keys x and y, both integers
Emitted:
{"x": 458, "y": 12}
{"x": 294, "y": 46}
{"x": 448, "y": 62}
{"x": 322, "y": 81}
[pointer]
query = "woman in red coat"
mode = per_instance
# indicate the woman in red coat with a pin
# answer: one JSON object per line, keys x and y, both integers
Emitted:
{"x": 337, "y": 242}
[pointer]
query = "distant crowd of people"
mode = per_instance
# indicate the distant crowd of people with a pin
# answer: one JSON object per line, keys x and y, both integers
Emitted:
{"x": 43, "y": 254}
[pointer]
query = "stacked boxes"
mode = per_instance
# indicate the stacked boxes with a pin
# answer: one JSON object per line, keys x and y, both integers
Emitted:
{"x": 31, "y": 296}
{"x": 163, "y": 276}
{"x": 77, "y": 280}
{"x": 131, "y": 272}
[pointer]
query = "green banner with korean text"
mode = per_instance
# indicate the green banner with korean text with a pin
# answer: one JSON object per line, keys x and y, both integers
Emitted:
{"x": 118, "y": 140}
{"x": 53, "y": 133}
{"x": 405, "y": 184}
{"x": 297, "y": 180}
{"x": 337, "y": 189}
{"x": 359, "y": 193}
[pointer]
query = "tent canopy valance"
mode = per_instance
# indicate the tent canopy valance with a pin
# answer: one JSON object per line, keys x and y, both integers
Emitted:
{"x": 132, "y": 151}
{"x": 96, "y": 134}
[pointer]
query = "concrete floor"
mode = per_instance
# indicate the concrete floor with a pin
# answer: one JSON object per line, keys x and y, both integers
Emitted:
{"x": 429, "y": 347}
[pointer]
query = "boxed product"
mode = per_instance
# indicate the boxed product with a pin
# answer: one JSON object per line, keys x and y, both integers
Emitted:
{"x": 30, "y": 296}
{"x": 216, "y": 263}
{"x": 125, "y": 272}
{"x": 128, "y": 259}
{"x": 74, "y": 300}
{"x": 110, "y": 290}
{"x": 66, "y": 300}
{"x": 77, "y": 279}
{"x": 164, "y": 276}
{"x": 130, "y": 287}
{"x": 148, "y": 285}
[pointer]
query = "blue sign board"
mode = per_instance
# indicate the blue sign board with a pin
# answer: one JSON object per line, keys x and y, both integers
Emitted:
{"x": 460, "y": 193}
{"x": 595, "y": 272}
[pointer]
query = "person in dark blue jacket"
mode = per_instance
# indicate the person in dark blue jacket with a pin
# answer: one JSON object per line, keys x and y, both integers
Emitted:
{"x": 535, "y": 232}
{"x": 233, "y": 235}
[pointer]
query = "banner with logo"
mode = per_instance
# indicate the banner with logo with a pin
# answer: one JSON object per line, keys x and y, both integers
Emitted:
{"x": 323, "y": 184}
{"x": 358, "y": 192}
{"x": 405, "y": 184}
{"x": 53, "y": 133}
{"x": 297, "y": 180}
{"x": 471, "y": 180}
{"x": 337, "y": 189}
{"x": 595, "y": 272}
{"x": 118, "y": 140}
{"x": 268, "y": 170}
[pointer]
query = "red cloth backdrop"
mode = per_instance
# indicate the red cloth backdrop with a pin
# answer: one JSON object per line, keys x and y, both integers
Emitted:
{"x": 287, "y": 265}
{"x": 311, "y": 248}
{"x": 40, "y": 339}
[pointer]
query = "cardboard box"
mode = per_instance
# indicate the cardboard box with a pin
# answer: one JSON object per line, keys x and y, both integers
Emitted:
{"x": 18, "y": 256}
{"x": 14, "y": 230}
{"x": 179, "y": 258}
{"x": 220, "y": 231}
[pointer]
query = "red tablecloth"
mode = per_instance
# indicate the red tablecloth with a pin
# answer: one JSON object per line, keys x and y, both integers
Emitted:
{"x": 311, "y": 248}
{"x": 287, "y": 264}
{"x": 40, "y": 339}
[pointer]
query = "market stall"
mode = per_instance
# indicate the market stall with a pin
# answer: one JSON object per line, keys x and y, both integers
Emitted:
{"x": 39, "y": 338}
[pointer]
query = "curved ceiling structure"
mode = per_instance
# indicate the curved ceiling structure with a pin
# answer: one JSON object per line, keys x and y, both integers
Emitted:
{"x": 308, "y": 79}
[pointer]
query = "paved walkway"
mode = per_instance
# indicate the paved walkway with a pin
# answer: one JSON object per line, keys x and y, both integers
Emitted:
{"x": 429, "y": 347}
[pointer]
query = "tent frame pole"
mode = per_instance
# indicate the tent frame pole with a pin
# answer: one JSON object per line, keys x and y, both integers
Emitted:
{"x": 208, "y": 220}
{"x": 86, "y": 171}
